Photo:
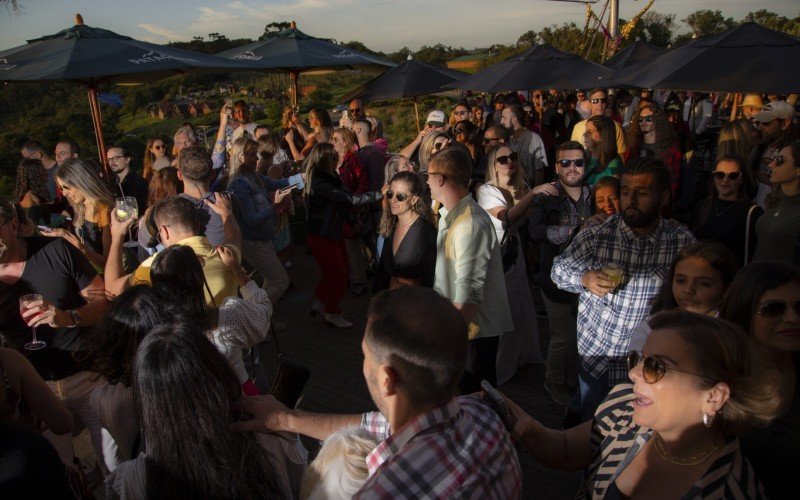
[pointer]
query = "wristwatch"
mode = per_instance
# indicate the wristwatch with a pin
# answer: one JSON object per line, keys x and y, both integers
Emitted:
{"x": 76, "y": 318}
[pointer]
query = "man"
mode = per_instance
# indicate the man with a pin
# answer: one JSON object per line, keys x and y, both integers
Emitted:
{"x": 553, "y": 221}
{"x": 751, "y": 106}
{"x": 176, "y": 220}
{"x": 240, "y": 126}
{"x": 431, "y": 442}
{"x": 184, "y": 138}
{"x": 260, "y": 131}
{"x": 66, "y": 148}
{"x": 35, "y": 151}
{"x": 369, "y": 155}
{"x": 526, "y": 143}
{"x": 469, "y": 269}
{"x": 598, "y": 102}
{"x": 774, "y": 126}
{"x": 436, "y": 122}
{"x": 195, "y": 170}
{"x": 73, "y": 301}
{"x": 355, "y": 112}
{"x": 130, "y": 183}
{"x": 643, "y": 245}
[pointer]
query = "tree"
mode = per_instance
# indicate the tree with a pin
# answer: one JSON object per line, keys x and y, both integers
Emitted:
{"x": 777, "y": 22}
{"x": 273, "y": 29}
{"x": 655, "y": 28}
{"x": 705, "y": 23}
{"x": 360, "y": 47}
{"x": 438, "y": 54}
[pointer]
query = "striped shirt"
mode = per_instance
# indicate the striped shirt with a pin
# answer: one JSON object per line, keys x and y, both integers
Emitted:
{"x": 616, "y": 440}
{"x": 605, "y": 324}
{"x": 458, "y": 450}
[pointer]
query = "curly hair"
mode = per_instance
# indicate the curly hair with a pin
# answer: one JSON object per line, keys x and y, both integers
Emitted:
{"x": 665, "y": 134}
{"x": 416, "y": 188}
{"x": 31, "y": 177}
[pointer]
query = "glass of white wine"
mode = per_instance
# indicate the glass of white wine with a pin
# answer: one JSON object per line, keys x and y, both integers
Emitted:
{"x": 126, "y": 207}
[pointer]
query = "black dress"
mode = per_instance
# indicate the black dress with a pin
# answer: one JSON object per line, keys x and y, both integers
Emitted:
{"x": 726, "y": 221}
{"x": 415, "y": 258}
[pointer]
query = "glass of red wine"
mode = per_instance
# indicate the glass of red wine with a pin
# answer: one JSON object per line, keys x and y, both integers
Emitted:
{"x": 24, "y": 304}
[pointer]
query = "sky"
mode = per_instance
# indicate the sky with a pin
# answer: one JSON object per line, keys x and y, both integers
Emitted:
{"x": 385, "y": 25}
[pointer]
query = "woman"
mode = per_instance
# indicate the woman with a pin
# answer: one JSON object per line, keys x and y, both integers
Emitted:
{"x": 327, "y": 203}
{"x": 606, "y": 196}
{"x": 111, "y": 350}
{"x": 396, "y": 163}
{"x": 163, "y": 183}
{"x": 478, "y": 117}
{"x": 672, "y": 433}
{"x": 601, "y": 141}
{"x": 290, "y": 122}
{"x": 728, "y": 215}
{"x": 321, "y": 131}
{"x": 155, "y": 157}
{"x": 763, "y": 300}
{"x": 431, "y": 144}
{"x": 778, "y": 230}
{"x": 650, "y": 134}
{"x": 235, "y": 325}
{"x": 506, "y": 197}
{"x": 257, "y": 215}
{"x": 409, "y": 255}
{"x": 91, "y": 202}
{"x": 736, "y": 138}
{"x": 186, "y": 395}
{"x": 355, "y": 179}
{"x": 469, "y": 135}
{"x": 275, "y": 164}
{"x": 30, "y": 191}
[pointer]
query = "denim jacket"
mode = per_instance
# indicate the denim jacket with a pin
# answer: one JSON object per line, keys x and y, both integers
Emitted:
{"x": 257, "y": 217}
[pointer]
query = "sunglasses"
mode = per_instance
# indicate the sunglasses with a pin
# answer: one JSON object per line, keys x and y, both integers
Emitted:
{"x": 434, "y": 124}
{"x": 461, "y": 113}
{"x": 732, "y": 176}
{"x": 400, "y": 196}
{"x": 505, "y": 160}
{"x": 537, "y": 96}
{"x": 648, "y": 119}
{"x": 459, "y": 131}
{"x": 159, "y": 147}
{"x": 775, "y": 310}
{"x": 440, "y": 145}
{"x": 427, "y": 175}
{"x": 596, "y": 101}
{"x": 579, "y": 163}
{"x": 653, "y": 369}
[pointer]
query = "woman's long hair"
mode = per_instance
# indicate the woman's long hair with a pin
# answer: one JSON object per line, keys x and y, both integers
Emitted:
{"x": 78, "y": 174}
{"x": 31, "y": 177}
{"x": 518, "y": 182}
{"x": 392, "y": 166}
{"x": 416, "y": 188}
{"x": 321, "y": 157}
{"x": 163, "y": 183}
{"x": 177, "y": 272}
{"x": 774, "y": 197}
{"x": 268, "y": 146}
{"x": 185, "y": 392}
{"x": 665, "y": 134}
{"x": 150, "y": 158}
{"x": 735, "y": 138}
{"x": 425, "y": 148}
{"x": 608, "y": 141}
{"x": 237, "y": 166}
{"x": 325, "y": 123}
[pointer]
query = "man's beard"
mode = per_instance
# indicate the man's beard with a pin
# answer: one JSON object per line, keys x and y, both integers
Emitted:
{"x": 636, "y": 218}
{"x": 576, "y": 182}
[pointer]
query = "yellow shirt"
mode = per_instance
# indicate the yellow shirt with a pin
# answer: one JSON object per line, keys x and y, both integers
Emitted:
{"x": 219, "y": 276}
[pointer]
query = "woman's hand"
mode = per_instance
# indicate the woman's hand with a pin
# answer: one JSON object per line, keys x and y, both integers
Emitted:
{"x": 548, "y": 189}
{"x": 281, "y": 194}
{"x": 524, "y": 422}
{"x": 58, "y": 232}
{"x": 289, "y": 136}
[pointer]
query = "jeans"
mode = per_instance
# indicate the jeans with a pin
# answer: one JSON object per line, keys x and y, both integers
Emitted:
{"x": 592, "y": 392}
{"x": 563, "y": 349}
{"x": 261, "y": 255}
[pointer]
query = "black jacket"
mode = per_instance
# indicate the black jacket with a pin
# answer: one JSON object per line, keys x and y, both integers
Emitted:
{"x": 328, "y": 204}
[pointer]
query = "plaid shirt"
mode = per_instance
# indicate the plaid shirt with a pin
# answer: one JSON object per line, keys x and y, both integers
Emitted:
{"x": 458, "y": 450}
{"x": 605, "y": 324}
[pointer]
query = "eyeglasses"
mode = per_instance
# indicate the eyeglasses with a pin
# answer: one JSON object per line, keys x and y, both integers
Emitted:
{"x": 114, "y": 159}
{"x": 648, "y": 119}
{"x": 579, "y": 163}
{"x": 775, "y": 310}
{"x": 506, "y": 159}
{"x": 779, "y": 160}
{"x": 159, "y": 146}
{"x": 597, "y": 101}
{"x": 461, "y": 113}
{"x": 401, "y": 197}
{"x": 653, "y": 369}
{"x": 732, "y": 176}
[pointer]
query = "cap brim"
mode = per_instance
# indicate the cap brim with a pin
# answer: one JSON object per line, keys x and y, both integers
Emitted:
{"x": 435, "y": 124}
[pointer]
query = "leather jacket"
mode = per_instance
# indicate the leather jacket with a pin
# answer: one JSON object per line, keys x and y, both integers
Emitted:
{"x": 328, "y": 204}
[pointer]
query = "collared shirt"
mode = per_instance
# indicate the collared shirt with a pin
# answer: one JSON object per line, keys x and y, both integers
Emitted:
{"x": 458, "y": 450}
{"x": 605, "y": 324}
{"x": 220, "y": 278}
{"x": 469, "y": 269}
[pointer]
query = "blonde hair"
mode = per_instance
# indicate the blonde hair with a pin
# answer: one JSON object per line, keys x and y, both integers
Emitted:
{"x": 340, "y": 469}
{"x": 518, "y": 183}
{"x": 78, "y": 174}
{"x": 237, "y": 166}
{"x": 425, "y": 149}
{"x": 348, "y": 136}
{"x": 322, "y": 156}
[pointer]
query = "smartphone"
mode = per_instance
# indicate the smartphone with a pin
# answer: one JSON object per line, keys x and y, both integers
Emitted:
{"x": 229, "y": 107}
{"x": 294, "y": 186}
{"x": 498, "y": 404}
{"x": 45, "y": 229}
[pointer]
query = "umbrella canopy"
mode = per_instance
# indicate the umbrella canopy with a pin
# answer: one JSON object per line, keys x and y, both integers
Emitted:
{"x": 540, "y": 67}
{"x": 409, "y": 79}
{"x": 636, "y": 52}
{"x": 747, "y": 58}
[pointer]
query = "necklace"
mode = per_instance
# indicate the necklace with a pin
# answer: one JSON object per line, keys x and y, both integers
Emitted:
{"x": 717, "y": 212}
{"x": 410, "y": 223}
{"x": 658, "y": 444}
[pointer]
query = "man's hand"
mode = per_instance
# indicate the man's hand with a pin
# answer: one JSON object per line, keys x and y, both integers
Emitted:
{"x": 267, "y": 415}
{"x": 120, "y": 229}
{"x": 58, "y": 232}
{"x": 221, "y": 204}
{"x": 281, "y": 194}
{"x": 229, "y": 257}
{"x": 44, "y": 312}
{"x": 597, "y": 282}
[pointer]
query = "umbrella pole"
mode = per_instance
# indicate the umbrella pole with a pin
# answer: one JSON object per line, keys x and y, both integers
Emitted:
{"x": 416, "y": 113}
{"x": 293, "y": 77}
{"x": 97, "y": 121}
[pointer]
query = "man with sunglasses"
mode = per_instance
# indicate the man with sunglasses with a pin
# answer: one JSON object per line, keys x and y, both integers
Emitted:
{"x": 553, "y": 220}
{"x": 598, "y": 102}
{"x": 774, "y": 126}
{"x": 469, "y": 269}
{"x": 643, "y": 246}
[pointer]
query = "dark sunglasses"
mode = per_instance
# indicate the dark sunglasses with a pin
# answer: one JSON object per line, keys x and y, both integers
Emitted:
{"x": 460, "y": 113}
{"x": 779, "y": 160}
{"x": 775, "y": 310}
{"x": 537, "y": 96}
{"x": 648, "y": 119}
{"x": 580, "y": 162}
{"x": 653, "y": 369}
{"x": 732, "y": 176}
{"x": 505, "y": 160}
{"x": 159, "y": 147}
{"x": 427, "y": 175}
{"x": 400, "y": 196}
{"x": 440, "y": 145}
{"x": 434, "y": 124}
{"x": 459, "y": 131}
{"x": 596, "y": 101}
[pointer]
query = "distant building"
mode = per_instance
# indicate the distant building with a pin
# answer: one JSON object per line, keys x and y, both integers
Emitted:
{"x": 162, "y": 110}
{"x": 469, "y": 63}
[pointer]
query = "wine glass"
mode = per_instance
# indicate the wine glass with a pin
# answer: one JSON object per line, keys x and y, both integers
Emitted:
{"x": 24, "y": 304}
{"x": 126, "y": 207}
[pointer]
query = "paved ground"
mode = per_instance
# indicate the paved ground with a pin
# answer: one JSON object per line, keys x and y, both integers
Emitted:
{"x": 337, "y": 383}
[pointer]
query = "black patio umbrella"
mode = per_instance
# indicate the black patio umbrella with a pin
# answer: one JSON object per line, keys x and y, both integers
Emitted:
{"x": 92, "y": 56}
{"x": 540, "y": 67}
{"x": 747, "y": 58}
{"x": 634, "y": 53}
{"x": 409, "y": 79}
{"x": 292, "y": 51}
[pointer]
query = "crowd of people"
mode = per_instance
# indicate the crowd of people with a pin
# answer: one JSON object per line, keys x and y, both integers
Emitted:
{"x": 662, "y": 241}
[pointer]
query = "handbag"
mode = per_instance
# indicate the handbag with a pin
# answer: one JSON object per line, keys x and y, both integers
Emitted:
{"x": 290, "y": 380}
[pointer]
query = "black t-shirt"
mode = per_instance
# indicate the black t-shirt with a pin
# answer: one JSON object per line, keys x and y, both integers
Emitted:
{"x": 58, "y": 271}
{"x": 30, "y": 468}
